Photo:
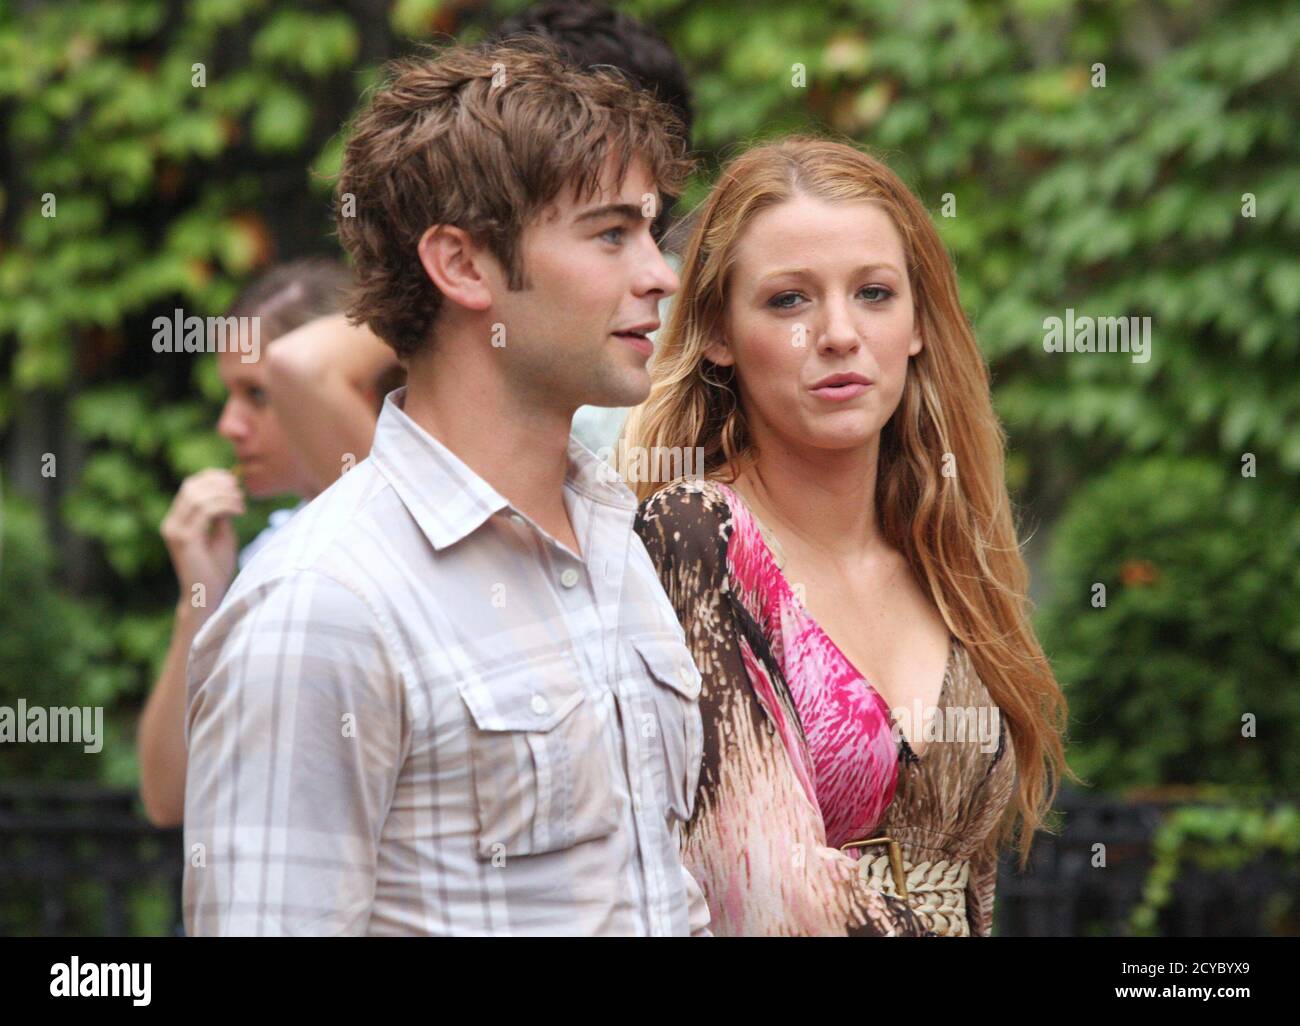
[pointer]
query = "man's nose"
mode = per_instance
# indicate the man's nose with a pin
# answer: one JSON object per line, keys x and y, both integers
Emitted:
{"x": 232, "y": 425}
{"x": 659, "y": 275}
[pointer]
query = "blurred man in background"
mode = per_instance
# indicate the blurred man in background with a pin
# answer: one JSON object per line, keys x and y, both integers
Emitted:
{"x": 198, "y": 531}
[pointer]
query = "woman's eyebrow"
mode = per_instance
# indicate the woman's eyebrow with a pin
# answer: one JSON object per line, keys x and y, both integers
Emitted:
{"x": 796, "y": 272}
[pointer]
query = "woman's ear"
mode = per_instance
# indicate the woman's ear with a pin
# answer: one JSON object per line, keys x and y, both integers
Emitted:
{"x": 452, "y": 261}
{"x": 918, "y": 338}
{"x": 718, "y": 351}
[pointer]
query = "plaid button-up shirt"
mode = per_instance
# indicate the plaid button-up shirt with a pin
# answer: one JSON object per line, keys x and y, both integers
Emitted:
{"x": 415, "y": 712}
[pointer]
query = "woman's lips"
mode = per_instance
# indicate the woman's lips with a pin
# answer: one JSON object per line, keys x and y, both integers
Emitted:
{"x": 840, "y": 393}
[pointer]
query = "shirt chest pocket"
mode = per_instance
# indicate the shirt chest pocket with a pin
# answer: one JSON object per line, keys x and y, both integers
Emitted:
{"x": 674, "y": 691}
{"x": 537, "y": 750}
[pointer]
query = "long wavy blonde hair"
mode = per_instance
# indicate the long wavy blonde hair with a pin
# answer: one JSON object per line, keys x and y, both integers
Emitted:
{"x": 956, "y": 532}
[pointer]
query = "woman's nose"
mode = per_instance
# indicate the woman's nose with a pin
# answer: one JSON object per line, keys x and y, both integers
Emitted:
{"x": 839, "y": 332}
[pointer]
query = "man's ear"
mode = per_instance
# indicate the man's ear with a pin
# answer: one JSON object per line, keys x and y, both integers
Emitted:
{"x": 453, "y": 262}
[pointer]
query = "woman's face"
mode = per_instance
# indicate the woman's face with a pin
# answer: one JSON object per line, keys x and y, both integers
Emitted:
{"x": 819, "y": 294}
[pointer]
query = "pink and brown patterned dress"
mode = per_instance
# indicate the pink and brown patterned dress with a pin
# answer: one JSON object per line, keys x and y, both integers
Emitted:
{"x": 799, "y": 755}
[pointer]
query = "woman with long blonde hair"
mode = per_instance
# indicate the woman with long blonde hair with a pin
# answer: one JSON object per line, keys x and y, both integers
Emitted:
{"x": 879, "y": 718}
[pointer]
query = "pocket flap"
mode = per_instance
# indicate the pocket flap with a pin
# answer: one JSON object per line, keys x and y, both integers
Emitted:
{"x": 530, "y": 697}
{"x": 670, "y": 663}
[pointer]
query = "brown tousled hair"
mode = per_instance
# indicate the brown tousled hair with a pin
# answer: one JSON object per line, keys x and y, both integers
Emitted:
{"x": 484, "y": 138}
{"x": 289, "y": 295}
{"x": 957, "y": 533}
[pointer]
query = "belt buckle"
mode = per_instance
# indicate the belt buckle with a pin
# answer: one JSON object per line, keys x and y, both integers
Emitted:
{"x": 895, "y": 858}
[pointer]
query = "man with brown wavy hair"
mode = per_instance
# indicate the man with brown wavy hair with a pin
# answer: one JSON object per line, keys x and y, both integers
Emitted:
{"x": 451, "y": 697}
{"x": 322, "y": 376}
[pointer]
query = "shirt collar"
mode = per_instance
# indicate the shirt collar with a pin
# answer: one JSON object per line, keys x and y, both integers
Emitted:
{"x": 450, "y": 501}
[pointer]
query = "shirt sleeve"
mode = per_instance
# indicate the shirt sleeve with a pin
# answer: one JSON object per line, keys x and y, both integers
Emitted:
{"x": 297, "y": 729}
{"x": 756, "y": 843}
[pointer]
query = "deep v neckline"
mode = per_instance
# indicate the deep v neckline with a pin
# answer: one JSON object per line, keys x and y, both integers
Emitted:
{"x": 903, "y": 744}
{"x": 904, "y": 747}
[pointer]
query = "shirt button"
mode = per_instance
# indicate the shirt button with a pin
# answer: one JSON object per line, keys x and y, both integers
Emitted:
{"x": 636, "y": 802}
{"x": 569, "y": 578}
{"x": 517, "y": 519}
{"x": 539, "y": 704}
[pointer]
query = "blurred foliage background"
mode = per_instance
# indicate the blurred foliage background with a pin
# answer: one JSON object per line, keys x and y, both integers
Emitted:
{"x": 1126, "y": 158}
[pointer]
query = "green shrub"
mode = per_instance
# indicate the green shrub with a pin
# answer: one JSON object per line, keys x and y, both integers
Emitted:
{"x": 1199, "y": 637}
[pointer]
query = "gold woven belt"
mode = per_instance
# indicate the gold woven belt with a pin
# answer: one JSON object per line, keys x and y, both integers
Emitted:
{"x": 934, "y": 889}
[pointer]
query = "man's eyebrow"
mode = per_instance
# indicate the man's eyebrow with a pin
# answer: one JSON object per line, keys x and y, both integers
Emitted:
{"x": 804, "y": 271}
{"x": 627, "y": 211}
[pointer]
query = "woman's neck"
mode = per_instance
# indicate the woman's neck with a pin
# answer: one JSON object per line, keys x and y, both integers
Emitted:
{"x": 824, "y": 499}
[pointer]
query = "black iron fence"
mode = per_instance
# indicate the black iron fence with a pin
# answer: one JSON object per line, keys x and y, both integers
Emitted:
{"x": 82, "y": 861}
{"x": 1068, "y": 891}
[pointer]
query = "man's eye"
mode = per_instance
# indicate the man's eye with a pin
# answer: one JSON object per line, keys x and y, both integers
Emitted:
{"x": 620, "y": 231}
{"x": 779, "y": 300}
{"x": 257, "y": 397}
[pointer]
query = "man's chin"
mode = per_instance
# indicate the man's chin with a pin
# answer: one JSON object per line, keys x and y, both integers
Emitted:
{"x": 630, "y": 389}
{"x": 262, "y": 488}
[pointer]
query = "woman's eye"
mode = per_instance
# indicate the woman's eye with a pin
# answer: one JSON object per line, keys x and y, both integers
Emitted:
{"x": 620, "y": 231}
{"x": 779, "y": 300}
{"x": 884, "y": 293}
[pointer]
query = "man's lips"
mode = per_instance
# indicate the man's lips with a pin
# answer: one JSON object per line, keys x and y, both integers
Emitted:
{"x": 638, "y": 338}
